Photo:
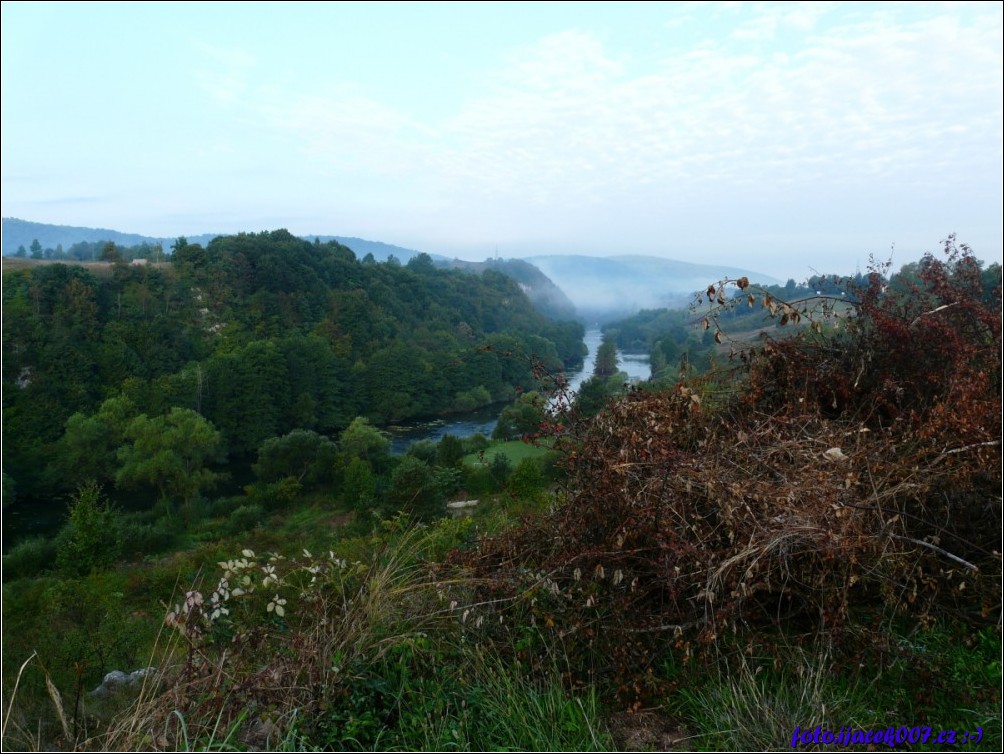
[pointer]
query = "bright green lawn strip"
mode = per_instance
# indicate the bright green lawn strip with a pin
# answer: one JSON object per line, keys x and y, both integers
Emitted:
{"x": 515, "y": 450}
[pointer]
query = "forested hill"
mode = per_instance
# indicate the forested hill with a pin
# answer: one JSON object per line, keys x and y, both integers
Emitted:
{"x": 547, "y": 298}
{"x": 50, "y": 238}
{"x": 260, "y": 334}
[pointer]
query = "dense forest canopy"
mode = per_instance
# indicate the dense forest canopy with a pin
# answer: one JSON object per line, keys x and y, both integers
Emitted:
{"x": 258, "y": 334}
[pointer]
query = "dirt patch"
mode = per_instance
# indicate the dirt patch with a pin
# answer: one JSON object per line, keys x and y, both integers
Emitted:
{"x": 648, "y": 731}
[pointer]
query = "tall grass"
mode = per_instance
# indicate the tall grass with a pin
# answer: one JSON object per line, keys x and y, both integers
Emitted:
{"x": 757, "y": 708}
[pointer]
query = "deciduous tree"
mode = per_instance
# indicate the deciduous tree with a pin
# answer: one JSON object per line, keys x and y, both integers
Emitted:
{"x": 171, "y": 452}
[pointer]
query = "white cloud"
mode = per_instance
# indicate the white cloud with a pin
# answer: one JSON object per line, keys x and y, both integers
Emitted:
{"x": 868, "y": 103}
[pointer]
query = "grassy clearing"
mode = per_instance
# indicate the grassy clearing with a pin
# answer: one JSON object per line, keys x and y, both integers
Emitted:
{"x": 514, "y": 450}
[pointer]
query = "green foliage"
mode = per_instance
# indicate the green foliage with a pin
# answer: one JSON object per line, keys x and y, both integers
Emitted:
{"x": 244, "y": 518}
{"x": 448, "y": 479}
{"x": 358, "y": 485}
{"x": 90, "y": 444}
{"x": 144, "y": 539}
{"x": 415, "y": 489}
{"x": 407, "y": 701}
{"x": 367, "y": 443}
{"x": 80, "y": 628}
{"x": 28, "y": 558}
{"x": 450, "y": 451}
{"x": 594, "y": 393}
{"x": 277, "y": 494}
{"x": 302, "y": 454}
{"x": 171, "y": 452}
{"x": 90, "y": 540}
{"x": 753, "y": 709}
{"x": 259, "y": 333}
{"x": 523, "y": 417}
{"x": 476, "y": 443}
{"x": 468, "y": 400}
{"x": 499, "y": 470}
{"x": 478, "y": 481}
{"x": 606, "y": 358}
{"x": 424, "y": 450}
{"x": 527, "y": 479}
{"x": 9, "y": 489}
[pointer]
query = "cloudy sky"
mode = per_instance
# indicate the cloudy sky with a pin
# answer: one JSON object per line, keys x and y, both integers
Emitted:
{"x": 785, "y": 138}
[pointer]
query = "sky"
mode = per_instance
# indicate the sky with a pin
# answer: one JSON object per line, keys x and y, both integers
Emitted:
{"x": 785, "y": 138}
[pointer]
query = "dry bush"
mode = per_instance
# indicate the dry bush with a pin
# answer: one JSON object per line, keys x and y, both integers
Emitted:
{"x": 853, "y": 477}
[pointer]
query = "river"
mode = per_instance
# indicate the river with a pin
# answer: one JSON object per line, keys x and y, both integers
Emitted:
{"x": 483, "y": 420}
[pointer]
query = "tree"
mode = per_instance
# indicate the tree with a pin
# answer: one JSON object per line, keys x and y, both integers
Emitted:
{"x": 521, "y": 418}
{"x": 358, "y": 484}
{"x": 171, "y": 452}
{"x": 451, "y": 451}
{"x": 302, "y": 454}
{"x": 414, "y": 488}
{"x": 90, "y": 539}
{"x": 592, "y": 395}
{"x": 363, "y": 441}
{"x": 606, "y": 358}
{"x": 21, "y": 251}
{"x": 110, "y": 253}
{"x": 36, "y": 249}
{"x": 89, "y": 446}
{"x": 421, "y": 263}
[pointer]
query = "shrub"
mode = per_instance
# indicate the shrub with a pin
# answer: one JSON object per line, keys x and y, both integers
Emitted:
{"x": 244, "y": 518}
{"x": 499, "y": 470}
{"x": 414, "y": 488}
{"x": 90, "y": 539}
{"x": 451, "y": 451}
{"x": 359, "y": 485}
{"x": 274, "y": 495}
{"x": 424, "y": 450}
{"x": 29, "y": 558}
{"x": 477, "y": 481}
{"x": 475, "y": 443}
{"x": 318, "y": 635}
{"x": 526, "y": 479}
{"x": 304, "y": 455}
{"x": 142, "y": 539}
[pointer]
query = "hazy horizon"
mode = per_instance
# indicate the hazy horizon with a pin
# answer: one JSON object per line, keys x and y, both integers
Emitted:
{"x": 786, "y": 138}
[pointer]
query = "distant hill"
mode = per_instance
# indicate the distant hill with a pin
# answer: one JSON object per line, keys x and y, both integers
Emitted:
{"x": 547, "y": 297}
{"x": 591, "y": 288}
{"x": 381, "y": 251}
{"x": 607, "y": 288}
{"x": 22, "y": 232}
{"x": 17, "y": 232}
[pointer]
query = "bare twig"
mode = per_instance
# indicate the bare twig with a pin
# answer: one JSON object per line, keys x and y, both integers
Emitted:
{"x": 933, "y": 311}
{"x": 953, "y": 451}
{"x": 938, "y": 550}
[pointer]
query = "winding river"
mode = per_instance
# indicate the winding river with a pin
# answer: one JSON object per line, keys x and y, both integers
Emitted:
{"x": 483, "y": 420}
